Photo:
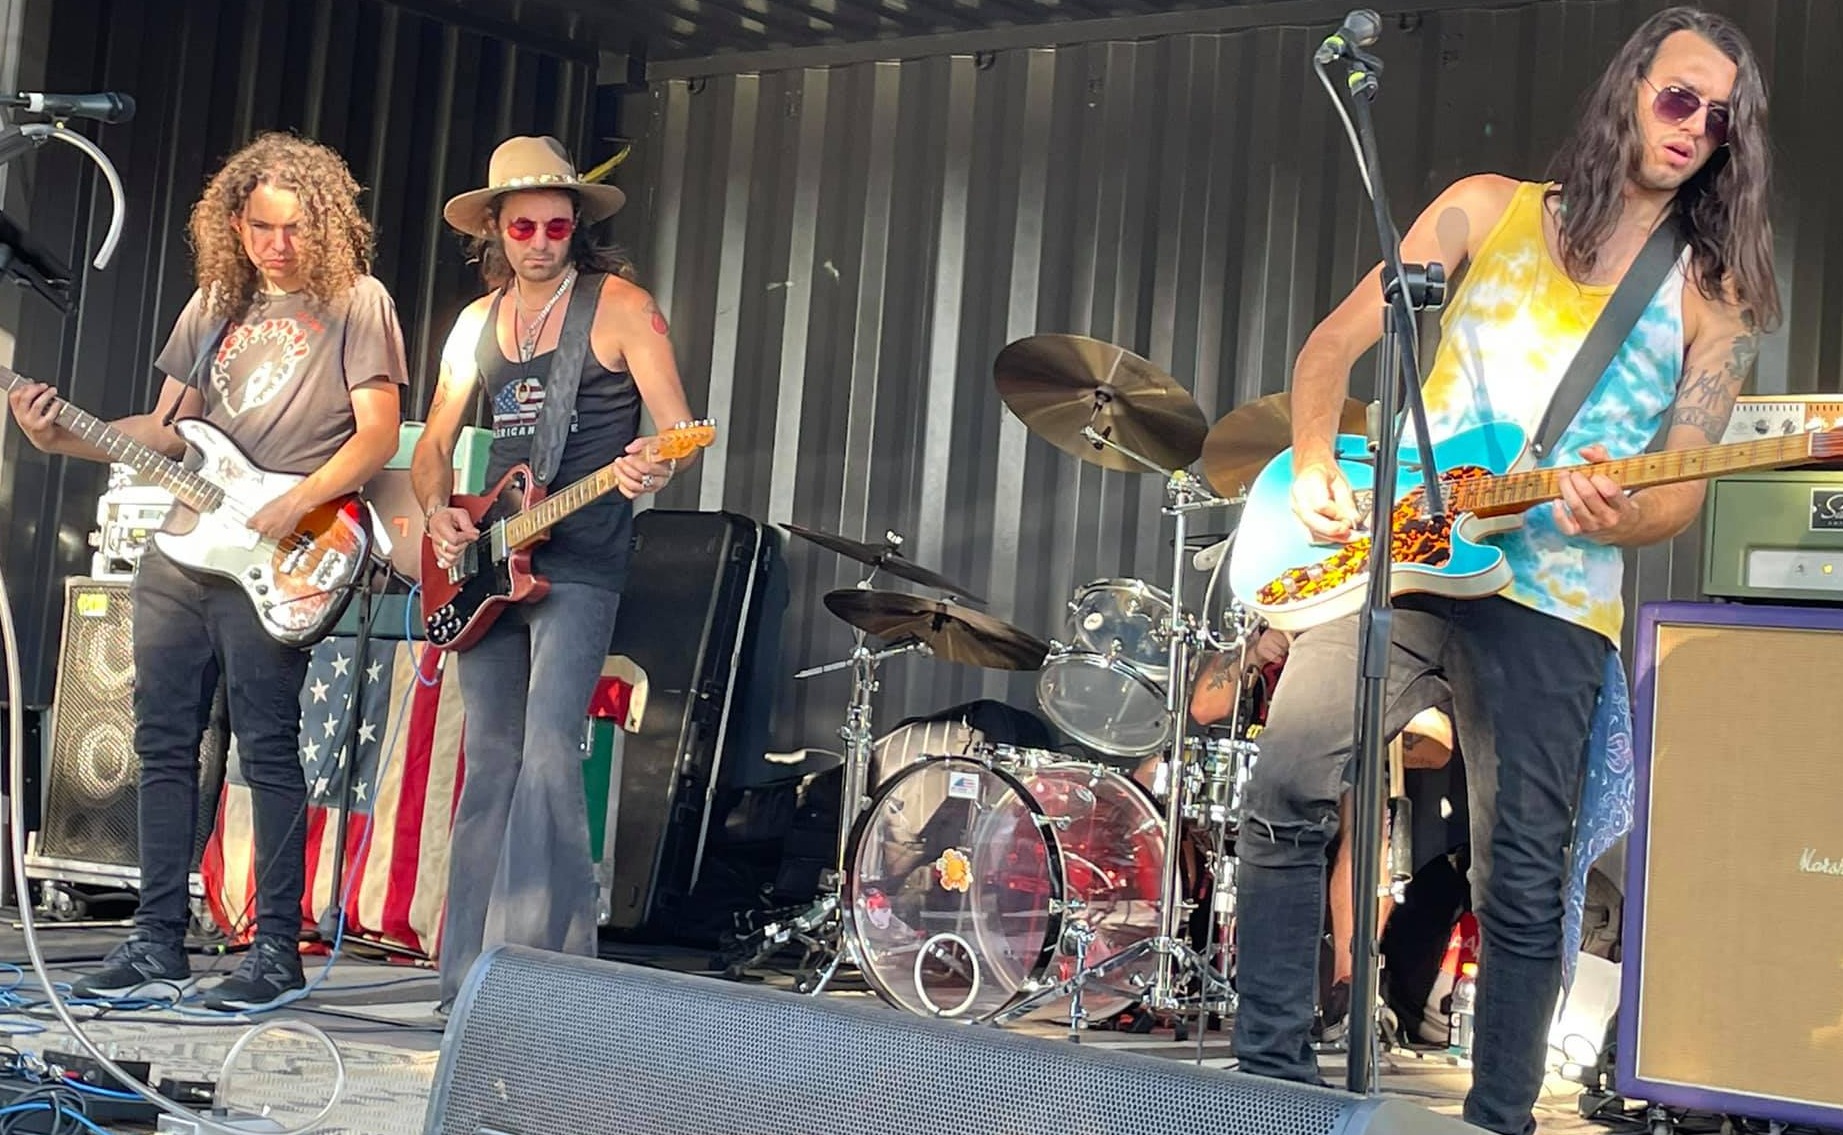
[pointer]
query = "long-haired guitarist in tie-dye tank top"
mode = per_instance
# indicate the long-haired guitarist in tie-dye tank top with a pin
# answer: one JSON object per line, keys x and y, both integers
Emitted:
{"x": 1674, "y": 131}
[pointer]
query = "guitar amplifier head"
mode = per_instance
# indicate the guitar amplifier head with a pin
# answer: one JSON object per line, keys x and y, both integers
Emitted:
{"x": 1732, "y": 996}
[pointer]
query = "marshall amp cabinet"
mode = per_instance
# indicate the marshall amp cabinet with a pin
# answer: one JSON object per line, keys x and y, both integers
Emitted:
{"x": 1732, "y": 997}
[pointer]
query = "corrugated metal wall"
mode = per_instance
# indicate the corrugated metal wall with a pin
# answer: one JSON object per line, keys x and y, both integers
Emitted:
{"x": 844, "y": 251}
{"x": 415, "y": 104}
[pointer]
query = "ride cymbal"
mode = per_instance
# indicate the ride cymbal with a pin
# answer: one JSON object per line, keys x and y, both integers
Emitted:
{"x": 955, "y": 633}
{"x": 1245, "y": 440}
{"x": 1059, "y": 384}
{"x": 885, "y": 558}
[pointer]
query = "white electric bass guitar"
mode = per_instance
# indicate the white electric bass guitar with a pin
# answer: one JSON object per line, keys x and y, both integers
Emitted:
{"x": 300, "y": 584}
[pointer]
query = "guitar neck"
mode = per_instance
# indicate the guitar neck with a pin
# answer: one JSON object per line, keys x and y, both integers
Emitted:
{"x": 1515, "y": 492}
{"x": 541, "y": 517}
{"x": 196, "y": 492}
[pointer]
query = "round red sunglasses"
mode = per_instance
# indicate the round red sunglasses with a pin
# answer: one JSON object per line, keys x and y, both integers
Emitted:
{"x": 1674, "y": 104}
{"x": 557, "y": 228}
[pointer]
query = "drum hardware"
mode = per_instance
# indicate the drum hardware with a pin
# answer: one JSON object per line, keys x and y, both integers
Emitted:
{"x": 914, "y": 624}
{"x": 1114, "y": 409}
{"x": 818, "y": 926}
{"x": 886, "y": 558}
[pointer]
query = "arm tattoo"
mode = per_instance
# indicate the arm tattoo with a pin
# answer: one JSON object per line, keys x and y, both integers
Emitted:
{"x": 659, "y": 319}
{"x": 1706, "y": 400}
{"x": 435, "y": 402}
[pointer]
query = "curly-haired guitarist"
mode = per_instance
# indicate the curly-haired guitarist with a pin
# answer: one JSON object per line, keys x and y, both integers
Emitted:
{"x": 293, "y": 352}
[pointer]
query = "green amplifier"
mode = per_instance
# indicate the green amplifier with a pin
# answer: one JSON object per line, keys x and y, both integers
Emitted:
{"x": 1775, "y": 536}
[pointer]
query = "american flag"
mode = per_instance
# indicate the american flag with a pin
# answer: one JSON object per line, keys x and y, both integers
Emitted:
{"x": 396, "y": 885}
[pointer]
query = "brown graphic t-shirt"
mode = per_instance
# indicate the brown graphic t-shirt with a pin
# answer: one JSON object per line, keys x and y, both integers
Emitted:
{"x": 279, "y": 384}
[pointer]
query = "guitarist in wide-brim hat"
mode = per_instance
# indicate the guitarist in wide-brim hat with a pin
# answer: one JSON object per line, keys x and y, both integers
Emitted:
{"x": 292, "y": 351}
{"x": 566, "y": 348}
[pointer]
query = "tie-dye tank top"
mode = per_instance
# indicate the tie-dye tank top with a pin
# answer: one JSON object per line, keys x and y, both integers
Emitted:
{"x": 1507, "y": 336}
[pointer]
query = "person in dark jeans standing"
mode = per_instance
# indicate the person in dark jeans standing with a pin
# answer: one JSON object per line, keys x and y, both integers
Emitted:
{"x": 1673, "y": 132}
{"x": 294, "y": 351}
{"x": 566, "y": 348}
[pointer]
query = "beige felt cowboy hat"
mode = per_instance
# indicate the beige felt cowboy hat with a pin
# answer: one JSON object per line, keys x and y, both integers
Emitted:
{"x": 530, "y": 163}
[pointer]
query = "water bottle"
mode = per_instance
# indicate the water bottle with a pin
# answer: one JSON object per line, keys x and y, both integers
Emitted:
{"x": 1465, "y": 1005}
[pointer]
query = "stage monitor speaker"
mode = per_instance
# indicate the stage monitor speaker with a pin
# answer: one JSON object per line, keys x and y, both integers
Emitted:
{"x": 91, "y": 831}
{"x": 1732, "y": 990}
{"x": 613, "y": 1048}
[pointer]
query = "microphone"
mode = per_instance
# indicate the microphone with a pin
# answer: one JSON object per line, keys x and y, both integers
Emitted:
{"x": 1361, "y": 28}
{"x": 108, "y": 106}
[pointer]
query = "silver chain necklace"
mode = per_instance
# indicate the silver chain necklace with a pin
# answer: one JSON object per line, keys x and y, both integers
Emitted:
{"x": 528, "y": 345}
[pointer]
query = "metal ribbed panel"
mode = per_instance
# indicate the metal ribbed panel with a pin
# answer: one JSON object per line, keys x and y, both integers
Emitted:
{"x": 876, "y": 232}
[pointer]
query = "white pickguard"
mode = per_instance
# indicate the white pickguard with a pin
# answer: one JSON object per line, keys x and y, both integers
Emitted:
{"x": 223, "y": 544}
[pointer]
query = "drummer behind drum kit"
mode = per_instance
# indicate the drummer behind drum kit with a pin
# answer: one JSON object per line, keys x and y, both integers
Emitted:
{"x": 1002, "y": 883}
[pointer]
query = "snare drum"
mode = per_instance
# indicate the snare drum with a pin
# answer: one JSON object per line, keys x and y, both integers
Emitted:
{"x": 967, "y": 872}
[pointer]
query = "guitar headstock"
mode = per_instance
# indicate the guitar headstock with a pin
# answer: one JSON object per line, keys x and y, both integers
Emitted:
{"x": 1827, "y": 444}
{"x": 683, "y": 440}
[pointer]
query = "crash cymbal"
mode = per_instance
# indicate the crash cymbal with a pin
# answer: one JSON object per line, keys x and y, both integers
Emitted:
{"x": 1057, "y": 384}
{"x": 953, "y": 632}
{"x": 886, "y": 559}
{"x": 1243, "y": 442}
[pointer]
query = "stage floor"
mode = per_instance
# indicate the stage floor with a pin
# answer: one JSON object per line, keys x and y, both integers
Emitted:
{"x": 380, "y": 1014}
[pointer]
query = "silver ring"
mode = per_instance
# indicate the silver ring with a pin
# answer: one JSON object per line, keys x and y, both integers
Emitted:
{"x": 646, "y": 482}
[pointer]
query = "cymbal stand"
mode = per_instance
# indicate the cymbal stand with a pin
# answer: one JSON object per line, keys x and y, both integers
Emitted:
{"x": 822, "y": 926}
{"x": 1176, "y": 958}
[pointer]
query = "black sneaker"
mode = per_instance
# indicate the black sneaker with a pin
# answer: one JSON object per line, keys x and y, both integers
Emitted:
{"x": 143, "y": 966}
{"x": 270, "y": 969}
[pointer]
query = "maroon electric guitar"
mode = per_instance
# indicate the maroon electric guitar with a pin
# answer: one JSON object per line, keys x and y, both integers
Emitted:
{"x": 460, "y": 602}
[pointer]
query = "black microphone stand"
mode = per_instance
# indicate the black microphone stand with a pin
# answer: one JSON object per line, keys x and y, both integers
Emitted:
{"x": 1406, "y": 290}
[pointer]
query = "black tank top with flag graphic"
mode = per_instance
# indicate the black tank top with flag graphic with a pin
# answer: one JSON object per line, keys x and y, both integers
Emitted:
{"x": 593, "y": 544}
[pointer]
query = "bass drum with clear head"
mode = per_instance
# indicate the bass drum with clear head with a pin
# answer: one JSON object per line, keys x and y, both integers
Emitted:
{"x": 966, "y": 874}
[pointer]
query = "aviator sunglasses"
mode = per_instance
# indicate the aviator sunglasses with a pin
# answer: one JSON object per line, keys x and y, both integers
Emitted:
{"x": 1674, "y": 104}
{"x": 557, "y": 228}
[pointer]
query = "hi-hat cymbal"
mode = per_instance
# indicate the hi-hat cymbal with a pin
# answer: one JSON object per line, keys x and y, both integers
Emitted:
{"x": 953, "y": 632}
{"x": 1058, "y": 384}
{"x": 884, "y": 558}
{"x": 1243, "y": 442}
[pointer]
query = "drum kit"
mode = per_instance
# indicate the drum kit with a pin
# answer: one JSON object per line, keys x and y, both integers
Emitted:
{"x": 1003, "y": 883}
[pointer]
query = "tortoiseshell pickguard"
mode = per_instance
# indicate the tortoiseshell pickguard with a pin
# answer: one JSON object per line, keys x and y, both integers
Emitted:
{"x": 1417, "y": 540}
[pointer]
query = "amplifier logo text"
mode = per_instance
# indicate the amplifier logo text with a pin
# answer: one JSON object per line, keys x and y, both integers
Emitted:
{"x": 1811, "y": 863}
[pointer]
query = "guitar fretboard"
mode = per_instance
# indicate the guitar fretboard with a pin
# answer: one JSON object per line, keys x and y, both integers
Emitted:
{"x": 1514, "y": 492}
{"x": 194, "y": 490}
{"x": 532, "y": 523}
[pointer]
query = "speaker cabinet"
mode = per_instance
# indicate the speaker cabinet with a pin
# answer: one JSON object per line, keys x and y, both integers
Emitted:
{"x": 1733, "y": 963}
{"x": 612, "y": 1048}
{"x": 91, "y": 830}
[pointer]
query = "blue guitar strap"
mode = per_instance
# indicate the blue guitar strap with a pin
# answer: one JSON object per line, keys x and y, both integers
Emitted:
{"x": 200, "y": 365}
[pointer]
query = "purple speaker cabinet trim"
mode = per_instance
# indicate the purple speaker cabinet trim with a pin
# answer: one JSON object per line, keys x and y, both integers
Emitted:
{"x": 1644, "y": 700}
